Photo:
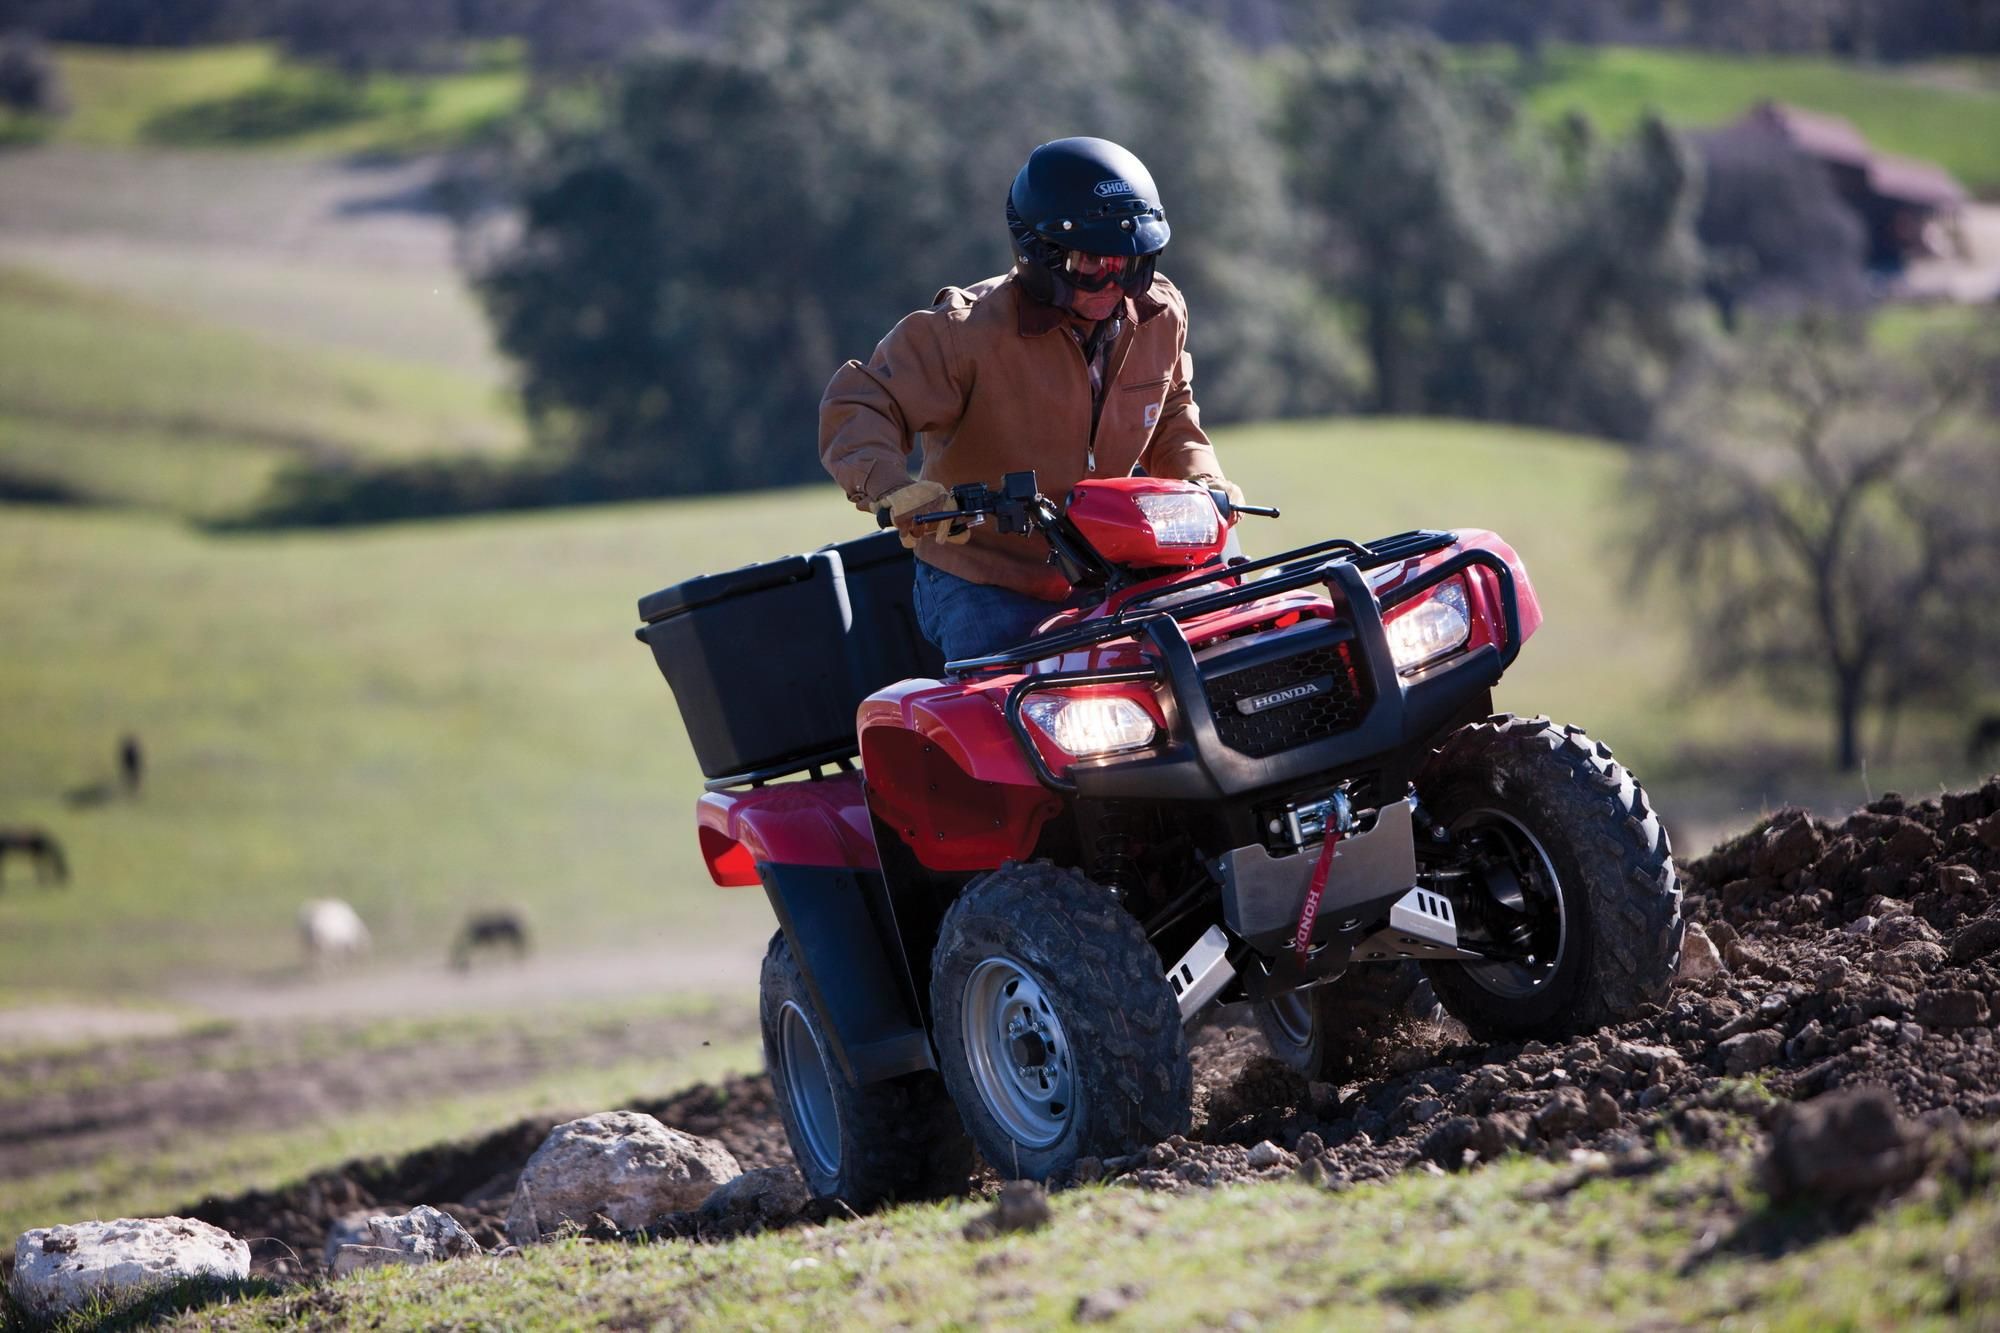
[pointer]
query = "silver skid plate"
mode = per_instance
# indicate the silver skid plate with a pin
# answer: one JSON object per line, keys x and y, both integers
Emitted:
{"x": 1202, "y": 972}
{"x": 1421, "y": 925}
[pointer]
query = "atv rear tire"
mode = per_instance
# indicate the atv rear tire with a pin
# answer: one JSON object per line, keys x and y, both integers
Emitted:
{"x": 1583, "y": 875}
{"x": 897, "y": 1139}
{"x": 1055, "y": 1028}
{"x": 1317, "y": 1032}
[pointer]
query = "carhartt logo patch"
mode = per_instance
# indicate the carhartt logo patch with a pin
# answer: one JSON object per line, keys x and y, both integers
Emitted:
{"x": 1152, "y": 415}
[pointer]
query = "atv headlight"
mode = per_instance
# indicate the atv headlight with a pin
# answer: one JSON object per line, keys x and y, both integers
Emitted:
{"x": 1430, "y": 629}
{"x": 1183, "y": 518}
{"x": 1091, "y": 725}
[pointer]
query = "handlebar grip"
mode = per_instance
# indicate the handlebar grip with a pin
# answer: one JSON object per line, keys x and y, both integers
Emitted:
{"x": 1261, "y": 511}
{"x": 882, "y": 518}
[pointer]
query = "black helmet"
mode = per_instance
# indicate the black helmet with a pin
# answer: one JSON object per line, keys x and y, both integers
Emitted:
{"x": 1087, "y": 195}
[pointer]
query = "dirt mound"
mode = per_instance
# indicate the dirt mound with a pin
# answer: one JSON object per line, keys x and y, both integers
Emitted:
{"x": 472, "y": 1180}
{"x": 1864, "y": 955}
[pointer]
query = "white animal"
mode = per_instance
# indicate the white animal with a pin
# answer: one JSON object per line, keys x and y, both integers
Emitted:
{"x": 332, "y": 932}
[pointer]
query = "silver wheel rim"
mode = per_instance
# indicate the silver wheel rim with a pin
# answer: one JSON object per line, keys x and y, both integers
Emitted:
{"x": 1291, "y": 1014}
{"x": 1516, "y": 981}
{"x": 1017, "y": 1054}
{"x": 808, "y": 1090}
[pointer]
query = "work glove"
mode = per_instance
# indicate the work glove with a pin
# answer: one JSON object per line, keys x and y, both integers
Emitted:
{"x": 1215, "y": 482}
{"x": 922, "y": 497}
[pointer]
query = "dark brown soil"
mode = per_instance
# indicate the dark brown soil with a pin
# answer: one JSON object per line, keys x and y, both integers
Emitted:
{"x": 1863, "y": 955}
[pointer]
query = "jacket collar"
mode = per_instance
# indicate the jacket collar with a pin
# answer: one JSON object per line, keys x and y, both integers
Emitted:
{"x": 1038, "y": 317}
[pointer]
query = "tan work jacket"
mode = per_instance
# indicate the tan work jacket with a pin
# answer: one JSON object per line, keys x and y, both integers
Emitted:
{"x": 996, "y": 382}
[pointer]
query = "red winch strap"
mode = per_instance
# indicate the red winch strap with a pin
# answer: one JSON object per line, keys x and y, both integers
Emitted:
{"x": 1309, "y": 913}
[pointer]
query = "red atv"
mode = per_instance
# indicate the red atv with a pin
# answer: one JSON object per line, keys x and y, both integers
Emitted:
{"x": 1229, "y": 780}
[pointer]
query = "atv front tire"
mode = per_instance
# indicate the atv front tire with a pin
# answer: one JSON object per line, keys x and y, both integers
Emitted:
{"x": 897, "y": 1139}
{"x": 1056, "y": 1031}
{"x": 1577, "y": 872}
{"x": 1317, "y": 1032}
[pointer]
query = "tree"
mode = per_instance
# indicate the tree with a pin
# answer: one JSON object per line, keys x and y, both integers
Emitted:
{"x": 749, "y": 212}
{"x": 1831, "y": 518}
{"x": 1495, "y": 275}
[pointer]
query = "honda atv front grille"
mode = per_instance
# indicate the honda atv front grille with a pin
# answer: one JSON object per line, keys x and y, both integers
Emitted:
{"x": 1293, "y": 701}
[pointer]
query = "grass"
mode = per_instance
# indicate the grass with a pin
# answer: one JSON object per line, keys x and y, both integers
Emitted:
{"x": 1953, "y": 123}
{"x": 131, "y": 403}
{"x": 1499, "y": 1248}
{"x": 249, "y": 96}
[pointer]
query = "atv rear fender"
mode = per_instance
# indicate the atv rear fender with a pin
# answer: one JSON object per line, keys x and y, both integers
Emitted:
{"x": 818, "y": 823}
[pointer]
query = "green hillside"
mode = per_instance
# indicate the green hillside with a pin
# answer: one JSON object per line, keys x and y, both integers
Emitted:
{"x": 131, "y": 403}
{"x": 1948, "y": 120}
{"x": 249, "y": 95}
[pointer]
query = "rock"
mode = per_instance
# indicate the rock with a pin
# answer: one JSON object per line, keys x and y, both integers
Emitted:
{"x": 1976, "y": 940}
{"x": 1699, "y": 957}
{"x": 1602, "y": 1108}
{"x": 1956, "y": 880}
{"x": 1844, "y": 1147}
{"x": 349, "y": 1228}
{"x": 1310, "y": 1144}
{"x": 1860, "y": 925}
{"x": 422, "y": 1235}
{"x": 1023, "y": 1205}
{"x": 1643, "y": 1057}
{"x": 1448, "y": 1143}
{"x": 1087, "y": 1171}
{"x": 1562, "y": 1114}
{"x": 64, "y": 1268}
{"x": 769, "y": 1196}
{"x": 1426, "y": 1110}
{"x": 1909, "y": 845}
{"x": 1751, "y": 1051}
{"x": 1267, "y": 1155}
{"x": 623, "y": 1165}
{"x": 1951, "y": 1008}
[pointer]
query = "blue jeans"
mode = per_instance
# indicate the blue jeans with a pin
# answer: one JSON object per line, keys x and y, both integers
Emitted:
{"x": 967, "y": 619}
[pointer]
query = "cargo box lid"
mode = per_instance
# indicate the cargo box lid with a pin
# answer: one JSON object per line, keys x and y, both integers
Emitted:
{"x": 709, "y": 588}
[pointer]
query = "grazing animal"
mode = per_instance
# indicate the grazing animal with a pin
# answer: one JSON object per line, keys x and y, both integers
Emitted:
{"x": 41, "y": 848}
{"x": 131, "y": 763}
{"x": 332, "y": 932}
{"x": 89, "y": 795}
{"x": 489, "y": 930}
{"x": 1985, "y": 739}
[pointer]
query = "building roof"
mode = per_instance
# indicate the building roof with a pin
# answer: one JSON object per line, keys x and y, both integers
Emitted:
{"x": 1910, "y": 181}
{"x": 1830, "y": 138}
{"x": 1834, "y": 139}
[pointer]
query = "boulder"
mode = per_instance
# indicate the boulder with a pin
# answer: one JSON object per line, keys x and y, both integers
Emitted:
{"x": 622, "y": 1165}
{"x": 1699, "y": 956}
{"x": 64, "y": 1268}
{"x": 421, "y": 1236}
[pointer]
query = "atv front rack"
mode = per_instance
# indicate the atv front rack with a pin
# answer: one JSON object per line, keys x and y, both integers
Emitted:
{"x": 1196, "y": 764}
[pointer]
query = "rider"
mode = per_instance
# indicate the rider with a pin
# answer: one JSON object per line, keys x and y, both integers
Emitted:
{"x": 1073, "y": 364}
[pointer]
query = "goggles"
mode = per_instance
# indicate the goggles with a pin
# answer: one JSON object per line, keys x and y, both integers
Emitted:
{"x": 1093, "y": 273}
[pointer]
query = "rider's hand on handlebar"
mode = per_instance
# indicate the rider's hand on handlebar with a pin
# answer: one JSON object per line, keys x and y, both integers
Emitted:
{"x": 922, "y": 497}
{"x": 1223, "y": 484}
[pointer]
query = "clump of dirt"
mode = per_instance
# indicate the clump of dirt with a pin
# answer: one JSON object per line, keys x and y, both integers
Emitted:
{"x": 1859, "y": 956}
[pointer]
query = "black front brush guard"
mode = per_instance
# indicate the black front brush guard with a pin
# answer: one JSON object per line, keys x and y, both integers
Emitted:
{"x": 1195, "y": 764}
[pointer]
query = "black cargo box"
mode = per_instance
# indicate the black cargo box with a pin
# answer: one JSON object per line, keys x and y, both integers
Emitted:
{"x": 769, "y": 662}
